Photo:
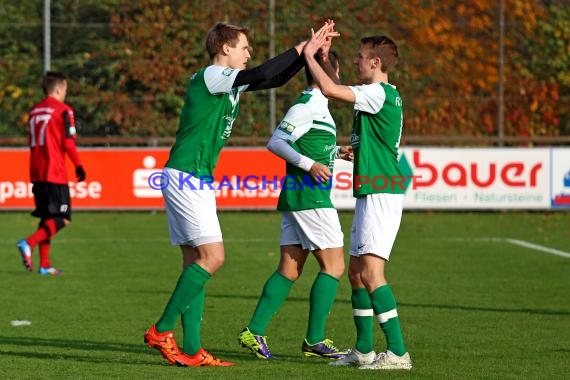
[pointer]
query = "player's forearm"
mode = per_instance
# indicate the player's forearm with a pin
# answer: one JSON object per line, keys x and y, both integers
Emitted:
{"x": 282, "y": 149}
{"x": 329, "y": 88}
{"x": 324, "y": 81}
{"x": 280, "y": 79}
{"x": 300, "y": 46}
{"x": 71, "y": 151}
{"x": 329, "y": 69}
{"x": 268, "y": 70}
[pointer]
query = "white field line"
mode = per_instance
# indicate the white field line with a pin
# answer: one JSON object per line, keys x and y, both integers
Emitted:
{"x": 520, "y": 243}
{"x": 537, "y": 247}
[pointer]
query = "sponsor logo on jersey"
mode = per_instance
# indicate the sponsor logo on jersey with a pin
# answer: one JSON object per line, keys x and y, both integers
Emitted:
{"x": 328, "y": 147}
{"x": 355, "y": 139}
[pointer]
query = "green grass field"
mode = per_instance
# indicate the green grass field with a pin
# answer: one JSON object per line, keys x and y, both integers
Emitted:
{"x": 473, "y": 303}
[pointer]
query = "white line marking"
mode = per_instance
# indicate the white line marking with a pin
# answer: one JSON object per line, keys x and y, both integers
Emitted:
{"x": 537, "y": 247}
{"x": 520, "y": 243}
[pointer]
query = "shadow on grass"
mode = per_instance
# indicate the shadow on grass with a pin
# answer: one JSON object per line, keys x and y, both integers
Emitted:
{"x": 118, "y": 348}
{"x": 87, "y": 357}
{"x": 489, "y": 309}
{"x": 521, "y": 310}
{"x": 244, "y": 355}
{"x": 432, "y": 306}
{"x": 74, "y": 344}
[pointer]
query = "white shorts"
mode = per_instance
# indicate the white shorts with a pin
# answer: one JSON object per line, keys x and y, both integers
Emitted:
{"x": 191, "y": 212}
{"x": 375, "y": 225}
{"x": 313, "y": 229}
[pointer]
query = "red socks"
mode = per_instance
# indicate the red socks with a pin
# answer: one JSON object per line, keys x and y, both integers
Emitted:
{"x": 46, "y": 230}
{"x": 44, "y": 254}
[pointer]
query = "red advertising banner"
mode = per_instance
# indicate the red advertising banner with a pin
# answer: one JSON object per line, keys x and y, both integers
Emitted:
{"x": 118, "y": 178}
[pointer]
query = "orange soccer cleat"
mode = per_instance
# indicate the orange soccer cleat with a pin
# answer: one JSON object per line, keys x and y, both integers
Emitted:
{"x": 202, "y": 358}
{"x": 164, "y": 343}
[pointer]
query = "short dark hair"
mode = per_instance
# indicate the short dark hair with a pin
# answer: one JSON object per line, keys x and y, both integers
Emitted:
{"x": 51, "y": 80}
{"x": 223, "y": 33}
{"x": 385, "y": 48}
{"x": 333, "y": 59}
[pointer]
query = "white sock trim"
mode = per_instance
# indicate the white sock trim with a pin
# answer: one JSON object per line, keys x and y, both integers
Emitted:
{"x": 384, "y": 317}
{"x": 363, "y": 312}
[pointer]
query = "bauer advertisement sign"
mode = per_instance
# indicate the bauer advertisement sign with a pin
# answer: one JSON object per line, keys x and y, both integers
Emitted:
{"x": 478, "y": 178}
{"x": 465, "y": 178}
{"x": 251, "y": 178}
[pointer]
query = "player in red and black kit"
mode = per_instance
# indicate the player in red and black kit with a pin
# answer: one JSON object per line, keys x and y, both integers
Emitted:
{"x": 52, "y": 136}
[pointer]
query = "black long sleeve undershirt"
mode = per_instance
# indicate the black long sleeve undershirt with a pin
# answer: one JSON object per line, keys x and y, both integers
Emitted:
{"x": 272, "y": 73}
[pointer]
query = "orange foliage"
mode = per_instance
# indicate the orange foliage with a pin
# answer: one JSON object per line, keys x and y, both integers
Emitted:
{"x": 448, "y": 73}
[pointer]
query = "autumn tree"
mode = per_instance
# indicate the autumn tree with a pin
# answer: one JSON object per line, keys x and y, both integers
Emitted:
{"x": 544, "y": 67}
{"x": 129, "y": 62}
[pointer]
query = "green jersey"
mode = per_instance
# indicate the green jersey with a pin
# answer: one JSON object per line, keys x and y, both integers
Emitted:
{"x": 376, "y": 133}
{"x": 210, "y": 108}
{"x": 310, "y": 130}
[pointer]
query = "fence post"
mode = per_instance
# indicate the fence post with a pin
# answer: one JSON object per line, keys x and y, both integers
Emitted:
{"x": 501, "y": 97}
{"x": 47, "y": 35}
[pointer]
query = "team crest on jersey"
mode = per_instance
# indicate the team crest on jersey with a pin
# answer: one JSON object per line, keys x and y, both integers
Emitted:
{"x": 286, "y": 127}
{"x": 227, "y": 72}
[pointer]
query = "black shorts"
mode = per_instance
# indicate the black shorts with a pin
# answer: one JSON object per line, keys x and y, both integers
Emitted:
{"x": 52, "y": 200}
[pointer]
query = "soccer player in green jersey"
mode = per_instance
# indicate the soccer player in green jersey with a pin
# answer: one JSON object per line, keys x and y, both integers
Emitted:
{"x": 210, "y": 108}
{"x": 306, "y": 140}
{"x": 379, "y": 193}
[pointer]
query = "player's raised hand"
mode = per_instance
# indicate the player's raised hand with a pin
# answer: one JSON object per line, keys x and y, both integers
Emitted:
{"x": 328, "y": 42}
{"x": 319, "y": 38}
{"x": 326, "y": 47}
{"x": 328, "y": 28}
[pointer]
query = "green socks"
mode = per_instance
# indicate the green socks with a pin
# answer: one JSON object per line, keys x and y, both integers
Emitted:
{"x": 363, "y": 319}
{"x": 322, "y": 298}
{"x": 384, "y": 305}
{"x": 191, "y": 322}
{"x": 274, "y": 294}
{"x": 190, "y": 284}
